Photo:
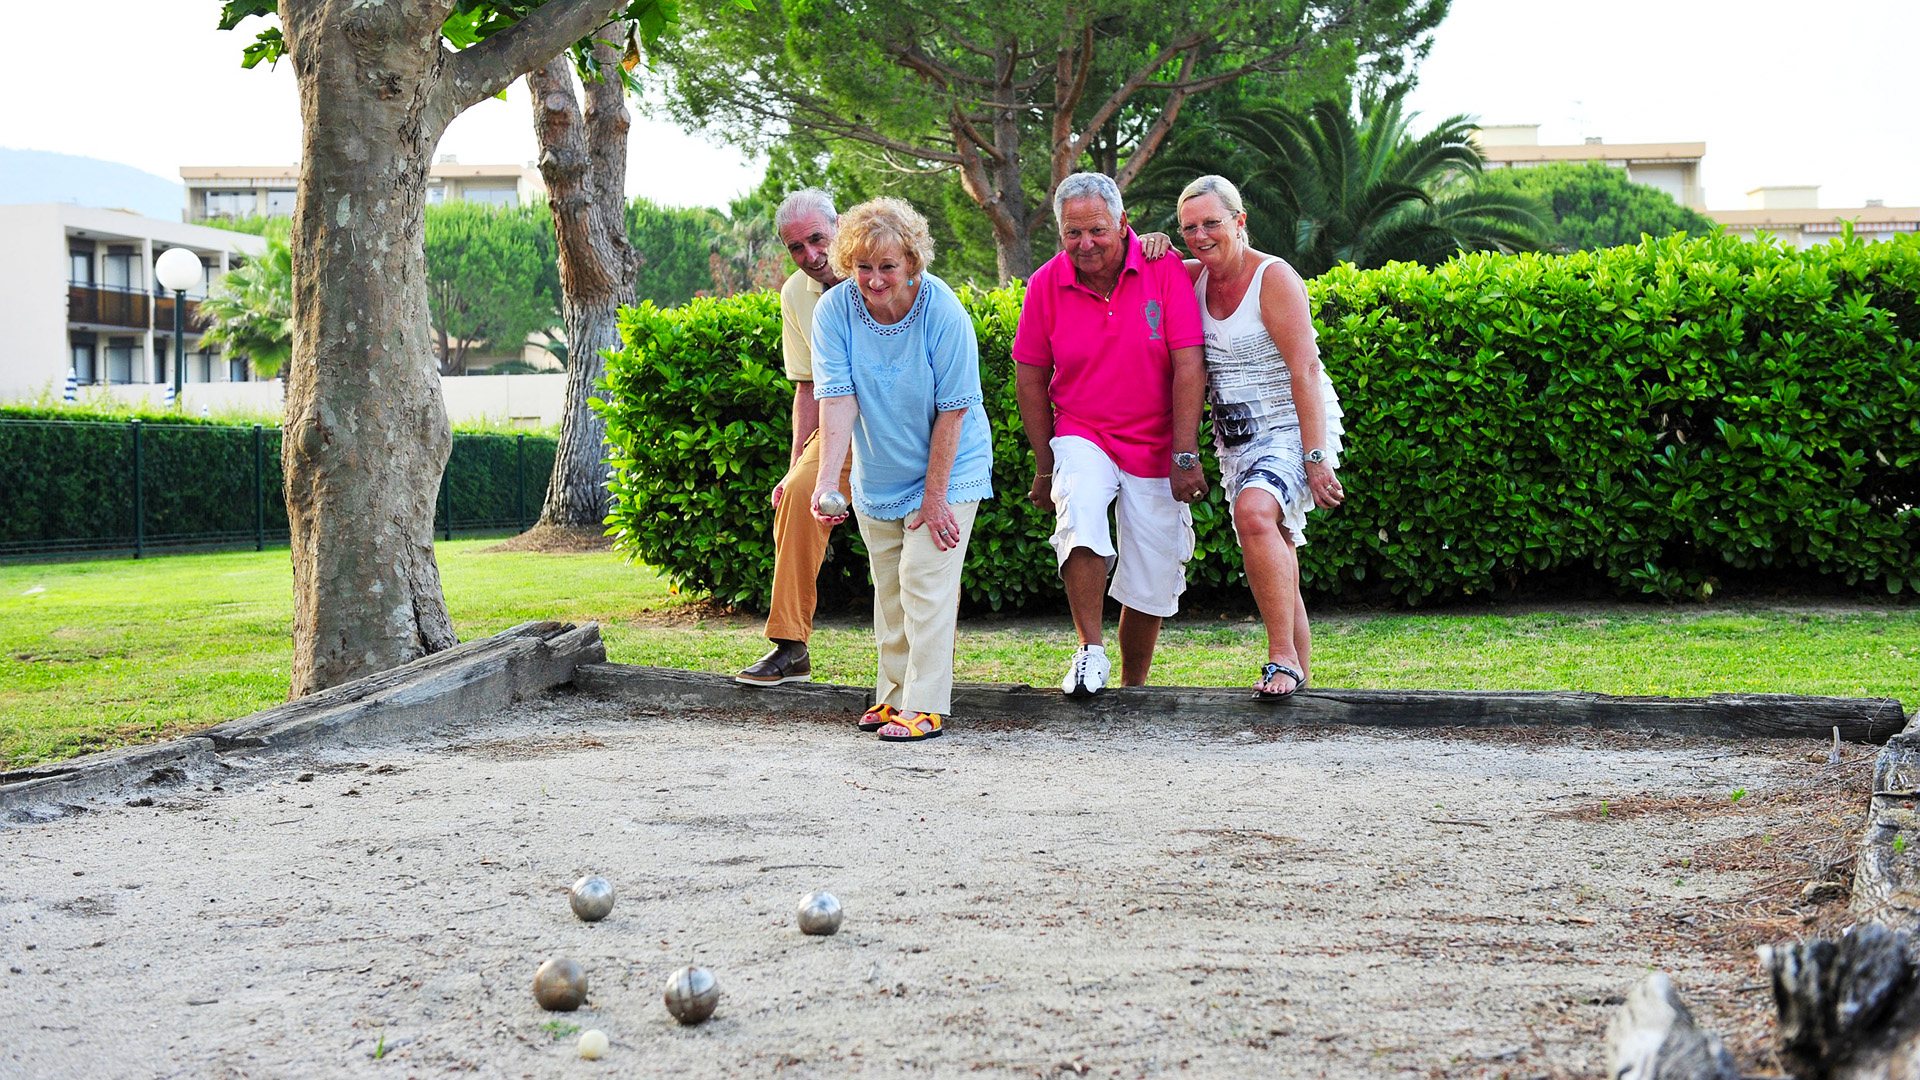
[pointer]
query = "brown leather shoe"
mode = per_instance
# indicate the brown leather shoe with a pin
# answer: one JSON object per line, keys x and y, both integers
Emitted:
{"x": 788, "y": 662}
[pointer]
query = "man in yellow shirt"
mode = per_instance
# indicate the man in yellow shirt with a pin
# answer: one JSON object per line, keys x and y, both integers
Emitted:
{"x": 806, "y": 222}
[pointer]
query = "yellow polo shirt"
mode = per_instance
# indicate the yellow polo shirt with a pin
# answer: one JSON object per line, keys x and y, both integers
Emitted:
{"x": 797, "y": 300}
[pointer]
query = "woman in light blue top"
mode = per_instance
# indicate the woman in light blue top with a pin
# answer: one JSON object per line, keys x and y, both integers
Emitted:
{"x": 896, "y": 370}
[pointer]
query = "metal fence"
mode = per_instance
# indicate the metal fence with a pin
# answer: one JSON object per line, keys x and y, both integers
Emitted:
{"x": 76, "y": 486}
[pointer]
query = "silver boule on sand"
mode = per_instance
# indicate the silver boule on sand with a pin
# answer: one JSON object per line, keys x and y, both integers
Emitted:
{"x": 691, "y": 994}
{"x": 560, "y": 985}
{"x": 820, "y": 913}
{"x": 592, "y": 898}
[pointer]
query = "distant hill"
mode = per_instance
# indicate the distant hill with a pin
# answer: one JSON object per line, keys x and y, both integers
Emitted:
{"x": 39, "y": 176}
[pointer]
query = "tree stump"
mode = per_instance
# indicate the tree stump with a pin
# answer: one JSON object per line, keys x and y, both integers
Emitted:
{"x": 1848, "y": 1010}
{"x": 1653, "y": 1037}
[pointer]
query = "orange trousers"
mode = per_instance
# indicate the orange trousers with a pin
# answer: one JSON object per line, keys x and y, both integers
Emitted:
{"x": 799, "y": 547}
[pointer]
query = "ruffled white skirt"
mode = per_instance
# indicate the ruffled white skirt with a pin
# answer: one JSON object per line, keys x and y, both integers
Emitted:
{"x": 1274, "y": 461}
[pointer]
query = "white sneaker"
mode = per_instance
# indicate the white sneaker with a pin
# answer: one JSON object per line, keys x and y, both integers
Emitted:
{"x": 1088, "y": 673}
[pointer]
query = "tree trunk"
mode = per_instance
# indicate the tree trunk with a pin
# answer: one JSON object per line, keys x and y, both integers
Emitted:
{"x": 584, "y": 162}
{"x": 990, "y": 168}
{"x": 366, "y": 430}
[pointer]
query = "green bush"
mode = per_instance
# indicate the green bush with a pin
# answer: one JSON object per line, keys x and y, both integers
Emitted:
{"x": 66, "y": 480}
{"x": 1654, "y": 417}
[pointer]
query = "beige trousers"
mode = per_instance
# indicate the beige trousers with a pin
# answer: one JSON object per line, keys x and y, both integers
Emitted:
{"x": 916, "y": 600}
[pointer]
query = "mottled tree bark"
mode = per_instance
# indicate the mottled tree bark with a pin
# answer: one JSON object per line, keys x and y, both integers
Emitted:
{"x": 366, "y": 431}
{"x": 583, "y": 158}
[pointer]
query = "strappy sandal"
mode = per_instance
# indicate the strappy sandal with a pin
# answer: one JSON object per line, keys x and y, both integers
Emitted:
{"x": 924, "y": 726}
{"x": 878, "y": 717}
{"x": 1267, "y": 672}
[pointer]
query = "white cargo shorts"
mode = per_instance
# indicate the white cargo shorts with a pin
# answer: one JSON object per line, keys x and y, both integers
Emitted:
{"x": 1149, "y": 563}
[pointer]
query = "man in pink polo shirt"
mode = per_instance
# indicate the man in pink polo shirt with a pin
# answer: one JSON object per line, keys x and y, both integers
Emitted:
{"x": 1110, "y": 374}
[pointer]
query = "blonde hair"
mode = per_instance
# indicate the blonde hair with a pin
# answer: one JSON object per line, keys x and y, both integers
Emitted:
{"x": 866, "y": 227}
{"x": 1218, "y": 186}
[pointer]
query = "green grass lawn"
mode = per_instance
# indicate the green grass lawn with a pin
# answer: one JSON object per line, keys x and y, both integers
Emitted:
{"x": 98, "y": 654}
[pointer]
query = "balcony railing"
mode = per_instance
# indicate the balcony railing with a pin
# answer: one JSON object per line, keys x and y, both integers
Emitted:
{"x": 163, "y": 315}
{"x": 109, "y": 307}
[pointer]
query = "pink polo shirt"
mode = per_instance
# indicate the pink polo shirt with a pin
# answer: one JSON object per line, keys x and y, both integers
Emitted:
{"x": 1112, "y": 360}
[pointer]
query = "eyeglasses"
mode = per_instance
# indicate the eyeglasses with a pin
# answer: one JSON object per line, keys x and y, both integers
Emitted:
{"x": 1211, "y": 225}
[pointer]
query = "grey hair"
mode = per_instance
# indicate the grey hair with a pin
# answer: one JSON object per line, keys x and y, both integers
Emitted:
{"x": 802, "y": 203}
{"x": 1218, "y": 186}
{"x": 1089, "y": 185}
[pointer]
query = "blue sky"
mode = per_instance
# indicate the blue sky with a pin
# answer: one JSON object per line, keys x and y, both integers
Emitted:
{"x": 1782, "y": 93}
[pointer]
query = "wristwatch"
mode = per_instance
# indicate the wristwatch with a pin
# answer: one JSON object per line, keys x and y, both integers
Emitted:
{"x": 1186, "y": 462}
{"x": 1316, "y": 455}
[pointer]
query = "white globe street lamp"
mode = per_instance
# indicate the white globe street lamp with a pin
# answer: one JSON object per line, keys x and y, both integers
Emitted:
{"x": 179, "y": 270}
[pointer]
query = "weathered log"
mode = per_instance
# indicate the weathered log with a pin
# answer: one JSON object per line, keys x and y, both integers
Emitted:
{"x": 1653, "y": 1037}
{"x": 1723, "y": 715}
{"x": 673, "y": 688}
{"x": 468, "y": 680}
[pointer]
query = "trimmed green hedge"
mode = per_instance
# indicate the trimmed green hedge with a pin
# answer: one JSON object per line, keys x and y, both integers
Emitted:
{"x": 1654, "y": 417}
{"x": 66, "y": 484}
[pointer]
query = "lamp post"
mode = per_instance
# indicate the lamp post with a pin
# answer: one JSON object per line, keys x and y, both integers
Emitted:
{"x": 179, "y": 270}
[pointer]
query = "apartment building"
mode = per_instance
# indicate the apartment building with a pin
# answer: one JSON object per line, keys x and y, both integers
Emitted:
{"x": 1793, "y": 216}
{"x": 1672, "y": 167}
{"x": 77, "y": 293}
{"x": 217, "y": 191}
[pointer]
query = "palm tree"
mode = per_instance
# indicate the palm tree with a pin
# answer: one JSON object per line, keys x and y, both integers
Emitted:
{"x": 1325, "y": 186}
{"x": 250, "y": 309}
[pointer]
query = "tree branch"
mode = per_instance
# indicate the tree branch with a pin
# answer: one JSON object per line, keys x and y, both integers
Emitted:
{"x": 914, "y": 58}
{"x": 963, "y": 127}
{"x": 1125, "y": 91}
{"x": 809, "y": 115}
{"x": 1200, "y": 85}
{"x": 1156, "y": 133}
{"x": 474, "y": 74}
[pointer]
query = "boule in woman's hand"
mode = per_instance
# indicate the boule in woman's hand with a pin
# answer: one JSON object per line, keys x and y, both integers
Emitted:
{"x": 829, "y": 506}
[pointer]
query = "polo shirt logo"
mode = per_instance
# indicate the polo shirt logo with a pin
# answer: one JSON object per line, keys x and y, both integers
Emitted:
{"x": 1153, "y": 312}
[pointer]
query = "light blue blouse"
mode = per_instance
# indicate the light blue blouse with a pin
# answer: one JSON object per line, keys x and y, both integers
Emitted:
{"x": 903, "y": 376}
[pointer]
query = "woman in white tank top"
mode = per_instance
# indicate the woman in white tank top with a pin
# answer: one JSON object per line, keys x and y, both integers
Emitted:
{"x": 1276, "y": 419}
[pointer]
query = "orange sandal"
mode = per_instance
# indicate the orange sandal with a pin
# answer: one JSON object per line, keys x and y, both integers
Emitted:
{"x": 925, "y": 725}
{"x": 878, "y": 717}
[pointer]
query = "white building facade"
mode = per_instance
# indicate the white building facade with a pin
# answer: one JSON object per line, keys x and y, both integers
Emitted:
{"x": 228, "y": 191}
{"x": 1671, "y": 167}
{"x": 77, "y": 294}
{"x": 1793, "y": 216}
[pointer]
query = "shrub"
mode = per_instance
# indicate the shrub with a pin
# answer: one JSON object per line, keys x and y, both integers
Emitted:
{"x": 1653, "y": 416}
{"x": 66, "y": 480}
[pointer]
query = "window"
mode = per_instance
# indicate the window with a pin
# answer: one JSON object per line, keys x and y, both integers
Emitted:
{"x": 80, "y": 264}
{"x": 200, "y": 366}
{"x": 280, "y": 202}
{"x": 494, "y": 196}
{"x": 83, "y": 367}
{"x": 436, "y": 194}
{"x": 230, "y": 203}
{"x": 119, "y": 269}
{"x": 236, "y": 368}
{"x": 122, "y": 353}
